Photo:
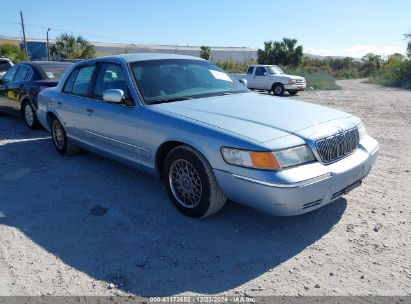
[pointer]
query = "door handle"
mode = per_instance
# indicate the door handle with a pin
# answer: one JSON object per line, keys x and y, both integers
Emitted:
{"x": 90, "y": 110}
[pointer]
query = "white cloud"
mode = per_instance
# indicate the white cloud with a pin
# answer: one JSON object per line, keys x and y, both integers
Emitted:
{"x": 357, "y": 51}
{"x": 320, "y": 52}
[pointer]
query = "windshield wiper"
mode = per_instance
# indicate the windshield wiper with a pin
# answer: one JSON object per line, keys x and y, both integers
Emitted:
{"x": 223, "y": 94}
{"x": 157, "y": 101}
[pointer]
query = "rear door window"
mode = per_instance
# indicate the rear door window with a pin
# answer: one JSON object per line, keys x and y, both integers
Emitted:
{"x": 68, "y": 87}
{"x": 79, "y": 81}
{"x": 21, "y": 73}
{"x": 250, "y": 70}
{"x": 29, "y": 74}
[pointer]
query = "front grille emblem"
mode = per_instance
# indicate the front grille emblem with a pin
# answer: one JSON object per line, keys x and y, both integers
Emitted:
{"x": 338, "y": 145}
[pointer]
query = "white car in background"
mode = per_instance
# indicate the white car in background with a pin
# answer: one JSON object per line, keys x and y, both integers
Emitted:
{"x": 272, "y": 79}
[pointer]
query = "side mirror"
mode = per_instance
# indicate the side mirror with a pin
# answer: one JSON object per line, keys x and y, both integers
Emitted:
{"x": 244, "y": 82}
{"x": 265, "y": 73}
{"x": 113, "y": 95}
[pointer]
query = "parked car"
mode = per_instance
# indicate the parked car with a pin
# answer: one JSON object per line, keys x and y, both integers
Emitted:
{"x": 272, "y": 79}
{"x": 5, "y": 64}
{"x": 22, "y": 82}
{"x": 207, "y": 136}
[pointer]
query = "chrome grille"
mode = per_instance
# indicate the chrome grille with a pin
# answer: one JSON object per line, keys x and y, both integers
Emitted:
{"x": 337, "y": 146}
{"x": 300, "y": 81}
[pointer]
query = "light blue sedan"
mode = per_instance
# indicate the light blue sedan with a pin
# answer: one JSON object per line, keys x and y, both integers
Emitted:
{"x": 206, "y": 135}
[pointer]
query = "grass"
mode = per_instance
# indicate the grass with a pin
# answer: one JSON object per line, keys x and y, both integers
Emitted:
{"x": 315, "y": 80}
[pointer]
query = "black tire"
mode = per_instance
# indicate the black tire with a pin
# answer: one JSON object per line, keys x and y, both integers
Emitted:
{"x": 29, "y": 115}
{"x": 61, "y": 142}
{"x": 278, "y": 89}
{"x": 292, "y": 93}
{"x": 200, "y": 195}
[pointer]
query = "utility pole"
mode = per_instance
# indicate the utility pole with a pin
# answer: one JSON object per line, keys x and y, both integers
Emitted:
{"x": 48, "y": 48}
{"x": 24, "y": 32}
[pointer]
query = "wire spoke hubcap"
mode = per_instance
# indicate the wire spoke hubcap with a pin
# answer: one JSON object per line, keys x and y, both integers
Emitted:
{"x": 185, "y": 183}
{"x": 278, "y": 90}
{"x": 58, "y": 135}
{"x": 28, "y": 113}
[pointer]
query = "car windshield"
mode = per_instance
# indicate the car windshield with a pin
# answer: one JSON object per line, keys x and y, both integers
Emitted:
{"x": 54, "y": 71}
{"x": 180, "y": 79}
{"x": 274, "y": 70}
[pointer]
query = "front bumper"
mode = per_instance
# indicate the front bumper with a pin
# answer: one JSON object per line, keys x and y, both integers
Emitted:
{"x": 296, "y": 191}
{"x": 294, "y": 87}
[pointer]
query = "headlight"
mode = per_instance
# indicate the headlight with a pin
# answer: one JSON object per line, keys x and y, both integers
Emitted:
{"x": 294, "y": 156}
{"x": 268, "y": 160}
{"x": 362, "y": 131}
{"x": 292, "y": 81}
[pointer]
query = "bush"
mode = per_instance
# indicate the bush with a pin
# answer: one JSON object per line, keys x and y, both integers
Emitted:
{"x": 13, "y": 52}
{"x": 71, "y": 47}
{"x": 318, "y": 80}
{"x": 233, "y": 66}
{"x": 396, "y": 71}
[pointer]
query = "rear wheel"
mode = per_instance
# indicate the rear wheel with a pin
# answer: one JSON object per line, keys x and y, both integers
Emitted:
{"x": 191, "y": 184}
{"x": 30, "y": 116}
{"x": 61, "y": 142}
{"x": 278, "y": 89}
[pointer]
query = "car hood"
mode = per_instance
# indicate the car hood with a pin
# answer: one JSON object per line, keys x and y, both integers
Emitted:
{"x": 291, "y": 76}
{"x": 261, "y": 118}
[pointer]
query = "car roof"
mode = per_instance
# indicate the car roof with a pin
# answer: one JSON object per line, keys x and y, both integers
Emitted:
{"x": 259, "y": 65}
{"x": 37, "y": 63}
{"x": 149, "y": 56}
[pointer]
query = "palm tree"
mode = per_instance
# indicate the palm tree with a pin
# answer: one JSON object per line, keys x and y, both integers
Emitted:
{"x": 205, "y": 52}
{"x": 71, "y": 47}
{"x": 283, "y": 52}
{"x": 293, "y": 53}
{"x": 265, "y": 56}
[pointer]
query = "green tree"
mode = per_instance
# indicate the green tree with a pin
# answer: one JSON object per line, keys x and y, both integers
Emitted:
{"x": 285, "y": 52}
{"x": 205, "y": 52}
{"x": 371, "y": 63}
{"x": 13, "y": 52}
{"x": 71, "y": 47}
{"x": 293, "y": 53}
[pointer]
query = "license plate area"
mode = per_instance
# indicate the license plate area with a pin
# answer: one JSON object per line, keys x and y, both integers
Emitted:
{"x": 351, "y": 187}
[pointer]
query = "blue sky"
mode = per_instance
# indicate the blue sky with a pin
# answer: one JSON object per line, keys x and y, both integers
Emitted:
{"x": 324, "y": 27}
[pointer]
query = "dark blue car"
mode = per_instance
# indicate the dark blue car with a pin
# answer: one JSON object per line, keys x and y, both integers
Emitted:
{"x": 21, "y": 84}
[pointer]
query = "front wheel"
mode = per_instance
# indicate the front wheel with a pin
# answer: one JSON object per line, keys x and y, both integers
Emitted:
{"x": 278, "y": 89}
{"x": 30, "y": 116}
{"x": 61, "y": 142}
{"x": 191, "y": 184}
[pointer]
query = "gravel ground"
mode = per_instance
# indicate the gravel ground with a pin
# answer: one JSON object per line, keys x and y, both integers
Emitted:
{"x": 86, "y": 225}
